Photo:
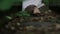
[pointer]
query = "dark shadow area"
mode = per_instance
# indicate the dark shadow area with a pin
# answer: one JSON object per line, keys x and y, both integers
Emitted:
{"x": 55, "y": 9}
{"x": 14, "y": 8}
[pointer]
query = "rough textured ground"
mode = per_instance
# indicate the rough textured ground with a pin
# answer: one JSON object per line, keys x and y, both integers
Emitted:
{"x": 33, "y": 25}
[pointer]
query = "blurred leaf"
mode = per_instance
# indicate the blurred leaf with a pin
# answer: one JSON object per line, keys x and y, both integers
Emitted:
{"x": 22, "y": 13}
{"x": 8, "y": 17}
